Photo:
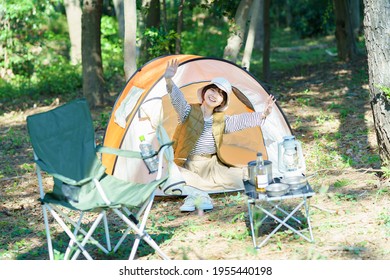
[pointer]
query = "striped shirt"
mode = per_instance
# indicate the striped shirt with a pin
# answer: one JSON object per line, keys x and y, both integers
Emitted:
{"x": 206, "y": 142}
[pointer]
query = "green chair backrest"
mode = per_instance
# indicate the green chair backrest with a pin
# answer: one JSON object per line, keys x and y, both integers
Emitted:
{"x": 64, "y": 141}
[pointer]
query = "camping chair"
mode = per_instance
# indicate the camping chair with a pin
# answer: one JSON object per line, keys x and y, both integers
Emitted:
{"x": 64, "y": 147}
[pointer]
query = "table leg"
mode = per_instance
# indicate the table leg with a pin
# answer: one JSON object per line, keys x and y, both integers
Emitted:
{"x": 308, "y": 220}
{"x": 250, "y": 205}
{"x": 284, "y": 223}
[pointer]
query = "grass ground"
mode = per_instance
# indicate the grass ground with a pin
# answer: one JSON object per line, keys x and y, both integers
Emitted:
{"x": 327, "y": 105}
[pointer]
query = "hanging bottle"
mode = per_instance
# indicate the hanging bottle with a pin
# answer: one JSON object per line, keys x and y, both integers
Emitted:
{"x": 148, "y": 155}
{"x": 261, "y": 174}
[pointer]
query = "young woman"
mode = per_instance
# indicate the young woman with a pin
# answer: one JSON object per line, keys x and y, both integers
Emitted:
{"x": 199, "y": 135}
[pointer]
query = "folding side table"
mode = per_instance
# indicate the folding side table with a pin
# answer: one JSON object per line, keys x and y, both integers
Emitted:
{"x": 270, "y": 205}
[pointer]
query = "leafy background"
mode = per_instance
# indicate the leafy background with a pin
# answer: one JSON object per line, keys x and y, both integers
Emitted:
{"x": 325, "y": 101}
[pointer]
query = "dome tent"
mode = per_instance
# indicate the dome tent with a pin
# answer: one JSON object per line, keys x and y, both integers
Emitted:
{"x": 143, "y": 106}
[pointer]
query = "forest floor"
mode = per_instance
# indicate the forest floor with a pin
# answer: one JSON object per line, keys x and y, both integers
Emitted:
{"x": 328, "y": 108}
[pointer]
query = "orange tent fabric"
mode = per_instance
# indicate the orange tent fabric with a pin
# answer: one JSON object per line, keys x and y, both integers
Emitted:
{"x": 144, "y": 104}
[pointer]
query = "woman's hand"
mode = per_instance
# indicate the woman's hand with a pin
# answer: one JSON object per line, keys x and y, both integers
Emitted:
{"x": 171, "y": 69}
{"x": 268, "y": 107}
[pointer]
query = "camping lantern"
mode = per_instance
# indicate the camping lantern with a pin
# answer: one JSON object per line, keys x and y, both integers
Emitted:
{"x": 290, "y": 157}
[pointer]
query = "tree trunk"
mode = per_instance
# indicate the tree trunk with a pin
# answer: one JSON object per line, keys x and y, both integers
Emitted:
{"x": 259, "y": 38}
{"x": 6, "y": 72}
{"x": 153, "y": 17}
{"x": 120, "y": 15}
{"x": 73, "y": 17}
{"x": 376, "y": 25}
{"x": 152, "y": 20}
{"x": 289, "y": 13}
{"x": 236, "y": 38}
{"x": 164, "y": 15}
{"x": 267, "y": 42}
{"x": 250, "y": 39}
{"x": 355, "y": 17}
{"x": 346, "y": 44}
{"x": 93, "y": 79}
{"x": 129, "y": 47}
{"x": 179, "y": 27}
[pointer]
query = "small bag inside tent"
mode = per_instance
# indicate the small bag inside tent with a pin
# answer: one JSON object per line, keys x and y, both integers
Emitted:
{"x": 144, "y": 108}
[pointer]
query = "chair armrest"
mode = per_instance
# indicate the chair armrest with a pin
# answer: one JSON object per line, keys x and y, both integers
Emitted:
{"x": 118, "y": 152}
{"x": 134, "y": 154}
{"x": 160, "y": 157}
{"x": 164, "y": 145}
{"x": 128, "y": 153}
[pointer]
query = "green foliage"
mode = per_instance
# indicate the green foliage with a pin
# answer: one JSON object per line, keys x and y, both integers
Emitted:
{"x": 37, "y": 46}
{"x": 12, "y": 140}
{"x": 109, "y": 33}
{"x": 59, "y": 79}
{"x": 386, "y": 91}
{"x": 26, "y": 23}
{"x": 204, "y": 42}
{"x": 339, "y": 197}
{"x": 342, "y": 183}
{"x": 386, "y": 170}
{"x": 221, "y": 8}
{"x": 48, "y": 80}
{"x": 102, "y": 122}
{"x": 34, "y": 42}
{"x": 235, "y": 234}
{"x": 159, "y": 42}
{"x": 112, "y": 52}
{"x": 312, "y": 18}
{"x": 384, "y": 219}
{"x": 210, "y": 41}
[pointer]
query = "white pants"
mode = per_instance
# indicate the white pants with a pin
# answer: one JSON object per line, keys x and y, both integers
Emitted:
{"x": 208, "y": 174}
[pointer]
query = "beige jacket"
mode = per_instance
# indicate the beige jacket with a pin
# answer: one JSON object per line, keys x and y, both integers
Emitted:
{"x": 187, "y": 134}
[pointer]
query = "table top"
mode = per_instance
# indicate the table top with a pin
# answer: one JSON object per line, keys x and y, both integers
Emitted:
{"x": 306, "y": 191}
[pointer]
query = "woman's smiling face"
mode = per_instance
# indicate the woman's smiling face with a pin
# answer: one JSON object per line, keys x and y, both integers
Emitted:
{"x": 213, "y": 97}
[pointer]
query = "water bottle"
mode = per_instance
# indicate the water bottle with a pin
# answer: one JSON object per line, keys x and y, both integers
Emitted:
{"x": 146, "y": 152}
{"x": 261, "y": 174}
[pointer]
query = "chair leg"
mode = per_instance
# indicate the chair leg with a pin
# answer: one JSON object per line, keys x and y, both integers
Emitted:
{"x": 142, "y": 234}
{"x": 142, "y": 228}
{"x": 48, "y": 236}
{"x": 69, "y": 233}
{"x": 123, "y": 237}
{"x": 106, "y": 230}
{"x": 44, "y": 210}
{"x": 89, "y": 234}
{"x": 76, "y": 229}
{"x": 139, "y": 229}
{"x": 146, "y": 237}
{"x": 80, "y": 229}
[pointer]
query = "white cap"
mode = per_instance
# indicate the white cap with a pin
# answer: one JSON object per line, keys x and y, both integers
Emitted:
{"x": 222, "y": 84}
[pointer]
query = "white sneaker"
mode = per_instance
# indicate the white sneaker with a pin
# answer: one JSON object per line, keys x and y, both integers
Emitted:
{"x": 189, "y": 204}
{"x": 202, "y": 202}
